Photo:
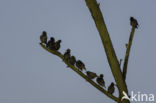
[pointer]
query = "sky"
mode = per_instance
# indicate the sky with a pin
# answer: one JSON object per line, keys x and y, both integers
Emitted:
{"x": 29, "y": 74}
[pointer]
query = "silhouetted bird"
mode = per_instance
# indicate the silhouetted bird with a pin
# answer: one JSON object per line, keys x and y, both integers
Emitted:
{"x": 72, "y": 60}
{"x": 80, "y": 65}
{"x": 43, "y": 37}
{"x": 91, "y": 75}
{"x": 51, "y": 43}
{"x": 67, "y": 55}
{"x": 111, "y": 88}
{"x": 133, "y": 22}
{"x": 57, "y": 45}
{"x": 100, "y": 80}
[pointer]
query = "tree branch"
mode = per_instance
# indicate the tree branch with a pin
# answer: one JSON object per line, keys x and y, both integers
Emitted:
{"x": 81, "y": 74}
{"x": 110, "y": 52}
{"x": 128, "y": 52}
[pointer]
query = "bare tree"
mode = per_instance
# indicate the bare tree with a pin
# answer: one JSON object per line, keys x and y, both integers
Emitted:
{"x": 78, "y": 66}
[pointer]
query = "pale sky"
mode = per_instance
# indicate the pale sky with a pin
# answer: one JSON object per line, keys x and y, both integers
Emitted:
{"x": 29, "y": 74}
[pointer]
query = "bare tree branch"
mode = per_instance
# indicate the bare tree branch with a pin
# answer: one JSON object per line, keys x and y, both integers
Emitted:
{"x": 128, "y": 52}
{"x": 110, "y": 52}
{"x": 81, "y": 73}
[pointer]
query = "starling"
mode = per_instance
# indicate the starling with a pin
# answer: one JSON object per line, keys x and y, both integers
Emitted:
{"x": 100, "y": 80}
{"x": 111, "y": 88}
{"x": 67, "y": 55}
{"x": 91, "y": 75}
{"x": 80, "y": 65}
{"x": 72, "y": 60}
{"x": 43, "y": 37}
{"x": 51, "y": 43}
{"x": 57, "y": 45}
{"x": 133, "y": 22}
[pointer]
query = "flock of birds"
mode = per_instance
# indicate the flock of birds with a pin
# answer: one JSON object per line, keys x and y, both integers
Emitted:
{"x": 55, "y": 45}
{"x": 51, "y": 44}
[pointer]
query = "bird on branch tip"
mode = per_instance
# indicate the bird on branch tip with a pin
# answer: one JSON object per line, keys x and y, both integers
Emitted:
{"x": 133, "y": 22}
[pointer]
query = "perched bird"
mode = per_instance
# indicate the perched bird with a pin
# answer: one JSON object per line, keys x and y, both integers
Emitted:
{"x": 111, "y": 88}
{"x": 57, "y": 45}
{"x": 72, "y": 60}
{"x": 91, "y": 75}
{"x": 51, "y": 43}
{"x": 66, "y": 55}
{"x": 100, "y": 80}
{"x": 43, "y": 37}
{"x": 80, "y": 65}
{"x": 133, "y": 22}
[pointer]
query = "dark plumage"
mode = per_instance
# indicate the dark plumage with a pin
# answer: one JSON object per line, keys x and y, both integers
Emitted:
{"x": 67, "y": 55}
{"x": 80, "y": 65}
{"x": 72, "y": 60}
{"x": 57, "y": 45}
{"x": 111, "y": 88}
{"x": 43, "y": 37}
{"x": 51, "y": 43}
{"x": 91, "y": 75}
{"x": 100, "y": 80}
{"x": 133, "y": 22}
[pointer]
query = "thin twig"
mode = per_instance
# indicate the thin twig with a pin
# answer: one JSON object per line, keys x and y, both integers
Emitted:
{"x": 128, "y": 52}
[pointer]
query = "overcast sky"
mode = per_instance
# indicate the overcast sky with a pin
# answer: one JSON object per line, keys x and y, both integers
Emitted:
{"x": 29, "y": 74}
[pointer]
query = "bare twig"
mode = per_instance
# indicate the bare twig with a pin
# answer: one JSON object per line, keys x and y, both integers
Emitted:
{"x": 128, "y": 52}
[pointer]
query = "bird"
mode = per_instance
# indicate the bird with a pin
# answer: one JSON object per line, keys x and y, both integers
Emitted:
{"x": 91, "y": 75}
{"x": 51, "y": 43}
{"x": 72, "y": 60}
{"x": 57, "y": 45}
{"x": 66, "y": 55}
{"x": 100, "y": 80}
{"x": 133, "y": 22}
{"x": 111, "y": 88}
{"x": 80, "y": 65}
{"x": 43, "y": 37}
